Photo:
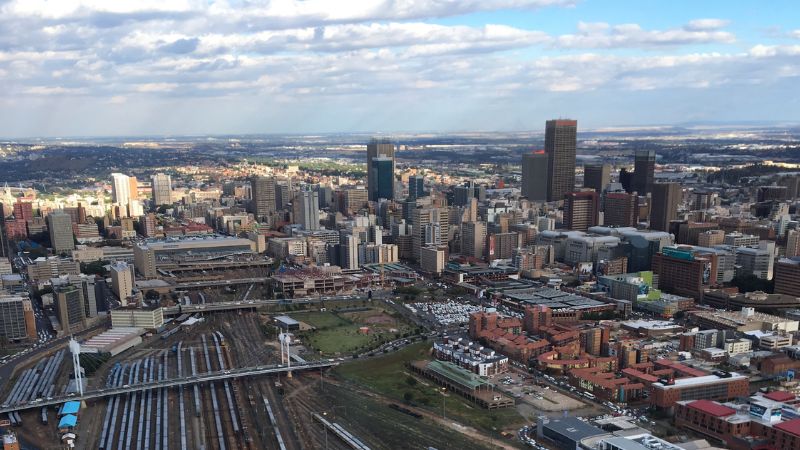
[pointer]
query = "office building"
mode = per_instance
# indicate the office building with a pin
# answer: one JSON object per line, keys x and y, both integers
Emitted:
{"x": 162, "y": 189}
{"x": 621, "y": 209}
{"x": 758, "y": 261}
{"x": 502, "y": 245}
{"x": 665, "y": 200}
{"x": 306, "y": 210}
{"x": 596, "y": 176}
{"x": 23, "y": 210}
{"x": 711, "y": 238}
{"x": 51, "y": 267}
{"x": 792, "y": 243}
{"x": 132, "y": 317}
{"x": 787, "y": 276}
{"x": 473, "y": 239}
{"x": 433, "y": 259}
{"x": 416, "y": 187}
{"x": 560, "y": 142}
{"x": 383, "y": 173}
{"x": 665, "y": 394}
{"x": 424, "y": 235}
{"x": 68, "y": 302}
{"x": 60, "y": 227}
{"x": 348, "y": 251}
{"x": 121, "y": 189}
{"x": 122, "y": 281}
{"x": 644, "y": 167}
{"x": 263, "y": 202}
{"x": 534, "y": 176}
{"x": 581, "y": 210}
{"x": 376, "y": 148}
{"x": 686, "y": 272}
{"x": 17, "y": 320}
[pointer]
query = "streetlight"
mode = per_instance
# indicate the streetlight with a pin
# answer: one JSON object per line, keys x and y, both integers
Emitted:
{"x": 444, "y": 389}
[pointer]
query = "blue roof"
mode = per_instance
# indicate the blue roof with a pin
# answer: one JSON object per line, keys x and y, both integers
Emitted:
{"x": 70, "y": 408}
{"x": 68, "y": 421}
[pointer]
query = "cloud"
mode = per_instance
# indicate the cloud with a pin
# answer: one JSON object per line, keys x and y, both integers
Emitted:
{"x": 604, "y": 35}
{"x": 706, "y": 24}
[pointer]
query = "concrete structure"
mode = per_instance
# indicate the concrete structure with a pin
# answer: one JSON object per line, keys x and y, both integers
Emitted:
{"x": 534, "y": 176}
{"x": 757, "y": 261}
{"x": 596, "y": 176}
{"x": 70, "y": 310}
{"x": 263, "y": 202}
{"x": 727, "y": 386}
{"x": 422, "y": 217}
{"x": 620, "y": 209}
{"x": 122, "y": 281}
{"x": 17, "y": 320}
{"x": 433, "y": 259}
{"x": 644, "y": 171}
{"x": 306, "y": 210}
{"x": 684, "y": 271}
{"x": 59, "y": 225}
{"x": 150, "y": 255}
{"x": 132, "y": 317}
{"x": 162, "y": 189}
{"x": 473, "y": 239}
{"x": 560, "y": 141}
{"x": 665, "y": 200}
{"x": 113, "y": 341}
{"x": 581, "y": 210}
{"x": 787, "y": 276}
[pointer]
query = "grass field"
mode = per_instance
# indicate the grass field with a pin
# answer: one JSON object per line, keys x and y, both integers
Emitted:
{"x": 389, "y": 376}
{"x": 338, "y": 333}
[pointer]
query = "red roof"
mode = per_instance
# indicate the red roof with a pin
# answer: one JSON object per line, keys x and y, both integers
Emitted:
{"x": 790, "y": 426}
{"x": 780, "y": 396}
{"x": 713, "y": 408}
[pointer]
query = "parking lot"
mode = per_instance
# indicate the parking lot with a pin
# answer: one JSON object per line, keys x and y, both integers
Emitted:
{"x": 543, "y": 398}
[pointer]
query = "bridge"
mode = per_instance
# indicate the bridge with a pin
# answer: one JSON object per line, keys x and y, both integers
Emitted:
{"x": 201, "y": 378}
{"x": 214, "y": 283}
{"x": 255, "y": 303}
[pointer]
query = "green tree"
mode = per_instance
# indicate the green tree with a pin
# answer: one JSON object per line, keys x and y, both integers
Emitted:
{"x": 411, "y": 381}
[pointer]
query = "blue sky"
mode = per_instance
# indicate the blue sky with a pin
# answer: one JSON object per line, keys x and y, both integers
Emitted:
{"x": 136, "y": 67}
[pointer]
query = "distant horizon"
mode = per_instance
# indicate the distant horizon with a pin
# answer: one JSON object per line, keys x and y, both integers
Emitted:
{"x": 699, "y": 126}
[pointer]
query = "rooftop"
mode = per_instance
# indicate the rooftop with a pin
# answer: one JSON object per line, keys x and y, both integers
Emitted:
{"x": 790, "y": 426}
{"x": 713, "y": 408}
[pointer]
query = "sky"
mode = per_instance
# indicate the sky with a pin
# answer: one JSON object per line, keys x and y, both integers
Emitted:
{"x": 177, "y": 67}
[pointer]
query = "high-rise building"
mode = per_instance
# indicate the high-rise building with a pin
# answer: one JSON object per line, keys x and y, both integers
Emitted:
{"x": 626, "y": 180}
{"x": 787, "y": 276}
{"x": 23, "y": 210}
{"x": 17, "y": 320}
{"x": 596, "y": 176}
{"x": 644, "y": 171}
{"x": 792, "y": 243}
{"x": 162, "y": 189}
{"x": 621, "y": 209}
{"x": 416, "y": 187}
{"x": 502, "y": 245}
{"x": 306, "y": 209}
{"x": 147, "y": 225}
{"x": 60, "y": 227}
{"x": 348, "y": 248}
{"x": 711, "y": 238}
{"x": 473, "y": 239}
{"x": 263, "y": 197}
{"x": 581, "y": 210}
{"x": 383, "y": 173}
{"x": 758, "y": 261}
{"x": 685, "y": 271}
{"x": 423, "y": 216}
{"x": 122, "y": 281}
{"x": 121, "y": 192}
{"x": 560, "y": 142}
{"x": 378, "y": 147}
{"x": 433, "y": 259}
{"x": 664, "y": 208}
{"x": 69, "y": 308}
{"x": 534, "y": 175}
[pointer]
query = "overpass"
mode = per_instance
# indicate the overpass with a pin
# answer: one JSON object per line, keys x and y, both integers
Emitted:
{"x": 255, "y": 303}
{"x": 215, "y": 283}
{"x": 202, "y": 378}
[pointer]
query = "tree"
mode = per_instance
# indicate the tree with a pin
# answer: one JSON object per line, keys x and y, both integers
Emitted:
{"x": 408, "y": 397}
{"x": 411, "y": 381}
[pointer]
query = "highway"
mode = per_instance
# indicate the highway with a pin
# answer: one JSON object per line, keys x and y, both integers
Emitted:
{"x": 214, "y": 283}
{"x": 202, "y": 378}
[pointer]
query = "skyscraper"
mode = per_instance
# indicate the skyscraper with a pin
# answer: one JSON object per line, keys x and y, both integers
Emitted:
{"x": 122, "y": 281}
{"x": 534, "y": 176}
{"x": 644, "y": 171}
{"x": 425, "y": 216}
{"x": 306, "y": 209}
{"x": 121, "y": 190}
{"x": 416, "y": 187}
{"x": 581, "y": 210}
{"x": 473, "y": 239}
{"x": 60, "y": 226}
{"x": 560, "y": 141}
{"x": 263, "y": 197}
{"x": 162, "y": 189}
{"x": 375, "y": 148}
{"x": 383, "y": 171}
{"x": 665, "y": 199}
{"x": 596, "y": 176}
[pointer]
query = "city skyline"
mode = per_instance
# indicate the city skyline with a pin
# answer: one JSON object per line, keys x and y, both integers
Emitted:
{"x": 165, "y": 68}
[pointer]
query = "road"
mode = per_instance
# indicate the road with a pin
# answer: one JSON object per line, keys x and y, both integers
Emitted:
{"x": 186, "y": 381}
{"x": 255, "y": 303}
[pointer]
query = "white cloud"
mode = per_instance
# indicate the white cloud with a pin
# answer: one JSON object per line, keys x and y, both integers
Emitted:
{"x": 706, "y": 24}
{"x": 604, "y": 35}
